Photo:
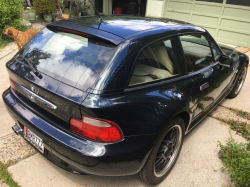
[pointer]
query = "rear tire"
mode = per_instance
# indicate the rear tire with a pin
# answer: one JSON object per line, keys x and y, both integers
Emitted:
{"x": 164, "y": 154}
{"x": 239, "y": 82}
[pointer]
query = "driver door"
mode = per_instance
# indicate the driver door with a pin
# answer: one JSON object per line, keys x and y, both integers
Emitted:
{"x": 210, "y": 78}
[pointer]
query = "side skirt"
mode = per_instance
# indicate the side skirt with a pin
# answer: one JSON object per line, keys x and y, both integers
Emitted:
{"x": 208, "y": 111}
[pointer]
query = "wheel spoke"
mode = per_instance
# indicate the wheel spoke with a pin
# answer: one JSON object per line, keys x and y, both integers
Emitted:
{"x": 163, "y": 148}
{"x": 162, "y": 165}
{"x": 166, "y": 142}
{"x": 240, "y": 81}
{"x": 159, "y": 156}
{"x": 159, "y": 162}
{"x": 172, "y": 134}
{"x": 175, "y": 139}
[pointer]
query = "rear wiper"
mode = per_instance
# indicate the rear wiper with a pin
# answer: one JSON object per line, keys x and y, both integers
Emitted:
{"x": 33, "y": 69}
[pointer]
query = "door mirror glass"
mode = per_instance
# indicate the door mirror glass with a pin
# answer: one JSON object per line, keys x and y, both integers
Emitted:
{"x": 226, "y": 61}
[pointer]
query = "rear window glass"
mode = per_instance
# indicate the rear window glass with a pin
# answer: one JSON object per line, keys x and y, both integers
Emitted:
{"x": 67, "y": 57}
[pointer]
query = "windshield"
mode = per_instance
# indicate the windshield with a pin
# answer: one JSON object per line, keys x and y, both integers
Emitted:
{"x": 69, "y": 58}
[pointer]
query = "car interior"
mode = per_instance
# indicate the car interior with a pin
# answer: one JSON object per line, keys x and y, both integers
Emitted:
{"x": 156, "y": 61}
{"x": 197, "y": 52}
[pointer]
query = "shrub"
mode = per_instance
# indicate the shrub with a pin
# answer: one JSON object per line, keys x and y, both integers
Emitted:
{"x": 236, "y": 160}
{"x": 45, "y": 7}
{"x": 11, "y": 15}
{"x": 81, "y": 5}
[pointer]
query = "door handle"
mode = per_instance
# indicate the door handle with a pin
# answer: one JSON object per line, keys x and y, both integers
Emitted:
{"x": 204, "y": 86}
{"x": 37, "y": 99}
{"x": 207, "y": 73}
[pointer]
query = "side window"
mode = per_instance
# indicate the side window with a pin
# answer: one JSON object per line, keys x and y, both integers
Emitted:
{"x": 216, "y": 51}
{"x": 197, "y": 52}
{"x": 157, "y": 61}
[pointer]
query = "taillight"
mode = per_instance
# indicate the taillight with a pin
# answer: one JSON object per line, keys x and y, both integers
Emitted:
{"x": 96, "y": 129}
{"x": 12, "y": 85}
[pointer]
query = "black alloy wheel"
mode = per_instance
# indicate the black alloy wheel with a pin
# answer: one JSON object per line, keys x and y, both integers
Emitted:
{"x": 164, "y": 154}
{"x": 167, "y": 151}
{"x": 239, "y": 82}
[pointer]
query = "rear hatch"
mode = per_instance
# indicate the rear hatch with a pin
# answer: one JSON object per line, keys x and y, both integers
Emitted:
{"x": 69, "y": 62}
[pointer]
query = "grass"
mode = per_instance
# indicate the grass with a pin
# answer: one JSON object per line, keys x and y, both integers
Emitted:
{"x": 207, "y": 98}
{"x": 236, "y": 160}
{"x": 5, "y": 176}
{"x": 241, "y": 128}
{"x": 37, "y": 30}
{"x": 39, "y": 19}
{"x": 236, "y": 156}
{"x": 5, "y": 42}
{"x": 200, "y": 106}
{"x": 240, "y": 113}
{"x": 66, "y": 11}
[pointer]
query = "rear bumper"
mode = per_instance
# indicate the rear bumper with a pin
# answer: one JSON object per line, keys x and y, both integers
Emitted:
{"x": 76, "y": 154}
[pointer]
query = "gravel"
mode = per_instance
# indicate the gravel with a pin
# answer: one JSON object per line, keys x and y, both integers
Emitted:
{"x": 14, "y": 148}
{"x": 2, "y": 184}
{"x": 226, "y": 114}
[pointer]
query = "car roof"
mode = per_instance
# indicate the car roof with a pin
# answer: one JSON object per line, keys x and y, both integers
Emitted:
{"x": 117, "y": 28}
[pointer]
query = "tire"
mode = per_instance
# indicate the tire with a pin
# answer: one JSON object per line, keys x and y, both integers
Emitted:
{"x": 239, "y": 82}
{"x": 154, "y": 171}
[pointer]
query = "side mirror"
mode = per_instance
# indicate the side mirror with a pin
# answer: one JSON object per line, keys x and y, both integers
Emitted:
{"x": 226, "y": 61}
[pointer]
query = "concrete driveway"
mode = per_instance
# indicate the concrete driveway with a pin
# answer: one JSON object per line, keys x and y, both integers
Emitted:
{"x": 6, "y": 122}
{"x": 198, "y": 164}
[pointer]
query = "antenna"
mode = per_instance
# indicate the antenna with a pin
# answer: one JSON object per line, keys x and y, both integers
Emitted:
{"x": 100, "y": 18}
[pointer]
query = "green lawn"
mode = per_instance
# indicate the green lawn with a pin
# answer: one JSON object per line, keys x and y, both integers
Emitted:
{"x": 4, "y": 42}
{"x": 5, "y": 176}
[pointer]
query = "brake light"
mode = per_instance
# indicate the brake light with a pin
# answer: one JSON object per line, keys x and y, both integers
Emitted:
{"x": 75, "y": 32}
{"x": 96, "y": 129}
{"x": 12, "y": 85}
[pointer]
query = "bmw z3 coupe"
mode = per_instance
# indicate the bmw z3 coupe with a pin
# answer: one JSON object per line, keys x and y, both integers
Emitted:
{"x": 116, "y": 96}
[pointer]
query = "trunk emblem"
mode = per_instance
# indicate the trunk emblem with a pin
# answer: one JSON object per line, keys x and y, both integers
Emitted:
{"x": 32, "y": 88}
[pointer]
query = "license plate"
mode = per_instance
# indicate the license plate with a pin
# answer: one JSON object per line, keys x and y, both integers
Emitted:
{"x": 34, "y": 139}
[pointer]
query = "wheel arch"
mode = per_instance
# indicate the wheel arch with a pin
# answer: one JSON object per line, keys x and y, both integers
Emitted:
{"x": 186, "y": 116}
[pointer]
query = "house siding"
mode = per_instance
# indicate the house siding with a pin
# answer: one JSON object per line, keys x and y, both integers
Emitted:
{"x": 226, "y": 22}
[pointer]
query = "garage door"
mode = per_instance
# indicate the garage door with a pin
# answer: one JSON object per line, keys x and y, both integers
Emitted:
{"x": 227, "y": 20}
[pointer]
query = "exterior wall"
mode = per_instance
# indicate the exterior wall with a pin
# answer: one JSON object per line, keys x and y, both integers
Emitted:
{"x": 154, "y": 8}
{"x": 106, "y": 7}
{"x": 227, "y": 23}
{"x": 91, "y": 9}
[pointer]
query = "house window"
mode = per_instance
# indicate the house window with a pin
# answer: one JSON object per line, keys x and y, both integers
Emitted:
{"x": 239, "y": 2}
{"x": 212, "y": 1}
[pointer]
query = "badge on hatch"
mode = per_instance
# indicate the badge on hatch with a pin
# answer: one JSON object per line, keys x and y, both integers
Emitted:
{"x": 32, "y": 88}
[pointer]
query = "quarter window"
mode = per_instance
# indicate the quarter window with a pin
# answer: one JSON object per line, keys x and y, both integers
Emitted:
{"x": 216, "y": 51}
{"x": 156, "y": 62}
{"x": 197, "y": 52}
